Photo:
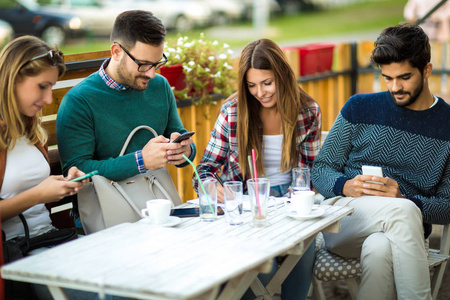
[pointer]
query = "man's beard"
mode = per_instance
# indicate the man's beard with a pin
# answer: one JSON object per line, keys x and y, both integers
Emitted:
{"x": 129, "y": 81}
{"x": 412, "y": 96}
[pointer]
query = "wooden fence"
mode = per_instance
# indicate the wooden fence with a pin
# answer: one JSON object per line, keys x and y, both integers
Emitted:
{"x": 351, "y": 74}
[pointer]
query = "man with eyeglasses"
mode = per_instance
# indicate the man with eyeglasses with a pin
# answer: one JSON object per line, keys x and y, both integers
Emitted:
{"x": 96, "y": 116}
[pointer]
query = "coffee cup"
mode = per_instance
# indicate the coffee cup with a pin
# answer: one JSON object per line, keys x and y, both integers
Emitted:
{"x": 157, "y": 210}
{"x": 302, "y": 202}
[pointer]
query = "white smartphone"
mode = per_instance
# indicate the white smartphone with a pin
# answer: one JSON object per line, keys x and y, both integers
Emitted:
{"x": 373, "y": 171}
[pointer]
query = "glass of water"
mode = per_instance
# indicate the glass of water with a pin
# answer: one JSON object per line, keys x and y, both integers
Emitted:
{"x": 232, "y": 192}
{"x": 301, "y": 179}
{"x": 207, "y": 200}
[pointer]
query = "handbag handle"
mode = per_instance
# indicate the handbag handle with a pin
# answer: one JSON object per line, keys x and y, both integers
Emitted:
{"x": 125, "y": 145}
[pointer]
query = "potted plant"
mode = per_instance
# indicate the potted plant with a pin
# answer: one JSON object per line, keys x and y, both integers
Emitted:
{"x": 206, "y": 66}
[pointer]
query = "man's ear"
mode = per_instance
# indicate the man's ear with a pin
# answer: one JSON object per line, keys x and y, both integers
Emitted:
{"x": 116, "y": 51}
{"x": 427, "y": 70}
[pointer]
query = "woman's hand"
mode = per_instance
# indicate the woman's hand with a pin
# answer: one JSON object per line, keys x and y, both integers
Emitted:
{"x": 220, "y": 198}
{"x": 54, "y": 188}
{"x": 74, "y": 173}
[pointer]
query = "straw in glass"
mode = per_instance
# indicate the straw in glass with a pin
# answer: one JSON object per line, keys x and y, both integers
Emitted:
{"x": 256, "y": 181}
{"x": 199, "y": 182}
{"x": 250, "y": 166}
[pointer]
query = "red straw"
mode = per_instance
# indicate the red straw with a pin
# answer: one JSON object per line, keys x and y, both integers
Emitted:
{"x": 256, "y": 181}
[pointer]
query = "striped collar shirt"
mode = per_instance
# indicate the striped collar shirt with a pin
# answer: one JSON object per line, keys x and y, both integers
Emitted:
{"x": 108, "y": 80}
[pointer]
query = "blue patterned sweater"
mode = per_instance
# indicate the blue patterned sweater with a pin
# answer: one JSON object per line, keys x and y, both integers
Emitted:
{"x": 412, "y": 147}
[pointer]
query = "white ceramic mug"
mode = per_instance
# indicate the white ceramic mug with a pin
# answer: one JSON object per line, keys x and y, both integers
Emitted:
{"x": 302, "y": 202}
{"x": 157, "y": 210}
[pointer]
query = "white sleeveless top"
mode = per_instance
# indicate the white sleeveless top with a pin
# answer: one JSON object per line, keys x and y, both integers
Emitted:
{"x": 272, "y": 160}
{"x": 26, "y": 167}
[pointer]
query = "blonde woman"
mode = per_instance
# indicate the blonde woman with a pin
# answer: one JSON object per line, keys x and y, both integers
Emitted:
{"x": 273, "y": 115}
{"x": 28, "y": 70}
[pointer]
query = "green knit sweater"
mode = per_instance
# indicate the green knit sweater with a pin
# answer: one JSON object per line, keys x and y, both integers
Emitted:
{"x": 94, "y": 121}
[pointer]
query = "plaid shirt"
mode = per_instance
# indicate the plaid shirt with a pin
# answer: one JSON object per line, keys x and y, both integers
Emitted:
{"x": 108, "y": 80}
{"x": 222, "y": 148}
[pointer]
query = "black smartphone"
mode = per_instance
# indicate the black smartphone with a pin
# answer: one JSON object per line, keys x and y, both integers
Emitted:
{"x": 185, "y": 212}
{"x": 190, "y": 212}
{"x": 183, "y": 137}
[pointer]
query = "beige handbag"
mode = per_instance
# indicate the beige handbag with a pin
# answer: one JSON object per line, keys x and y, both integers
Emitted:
{"x": 105, "y": 203}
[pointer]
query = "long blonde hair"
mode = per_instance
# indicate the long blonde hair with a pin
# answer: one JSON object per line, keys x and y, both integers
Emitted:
{"x": 264, "y": 54}
{"x": 16, "y": 63}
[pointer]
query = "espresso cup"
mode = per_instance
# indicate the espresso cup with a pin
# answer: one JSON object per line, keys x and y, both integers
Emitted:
{"x": 157, "y": 210}
{"x": 302, "y": 202}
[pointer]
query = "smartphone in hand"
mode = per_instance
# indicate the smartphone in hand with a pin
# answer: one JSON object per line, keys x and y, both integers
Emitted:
{"x": 373, "y": 171}
{"x": 183, "y": 137}
{"x": 85, "y": 176}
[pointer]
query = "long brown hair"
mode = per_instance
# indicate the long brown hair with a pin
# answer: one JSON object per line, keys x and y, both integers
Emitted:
{"x": 264, "y": 54}
{"x": 15, "y": 64}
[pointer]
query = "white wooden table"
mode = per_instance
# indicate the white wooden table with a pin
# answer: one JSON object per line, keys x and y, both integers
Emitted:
{"x": 189, "y": 261}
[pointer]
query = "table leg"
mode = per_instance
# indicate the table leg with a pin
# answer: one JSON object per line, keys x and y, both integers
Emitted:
{"x": 235, "y": 288}
{"x": 259, "y": 290}
{"x": 57, "y": 293}
{"x": 283, "y": 271}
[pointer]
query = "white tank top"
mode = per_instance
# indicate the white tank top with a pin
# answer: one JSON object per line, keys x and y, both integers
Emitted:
{"x": 272, "y": 160}
{"x": 26, "y": 167}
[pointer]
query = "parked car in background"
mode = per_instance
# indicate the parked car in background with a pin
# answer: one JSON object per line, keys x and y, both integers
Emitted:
{"x": 26, "y": 17}
{"x": 177, "y": 15}
{"x": 6, "y": 33}
{"x": 223, "y": 12}
{"x": 97, "y": 16}
{"x": 273, "y": 7}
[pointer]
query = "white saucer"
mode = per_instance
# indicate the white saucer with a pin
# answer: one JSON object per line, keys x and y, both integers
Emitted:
{"x": 315, "y": 212}
{"x": 172, "y": 221}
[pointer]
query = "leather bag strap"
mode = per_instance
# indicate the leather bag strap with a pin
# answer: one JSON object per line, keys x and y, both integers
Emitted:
{"x": 125, "y": 196}
{"x": 125, "y": 145}
{"x": 153, "y": 180}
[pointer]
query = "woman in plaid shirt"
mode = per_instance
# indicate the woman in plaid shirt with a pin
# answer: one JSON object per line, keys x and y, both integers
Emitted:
{"x": 273, "y": 115}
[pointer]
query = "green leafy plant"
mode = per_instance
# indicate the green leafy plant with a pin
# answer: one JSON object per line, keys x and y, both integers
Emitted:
{"x": 207, "y": 66}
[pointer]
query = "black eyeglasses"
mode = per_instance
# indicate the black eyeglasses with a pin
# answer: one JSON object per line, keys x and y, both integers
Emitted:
{"x": 146, "y": 67}
{"x": 53, "y": 56}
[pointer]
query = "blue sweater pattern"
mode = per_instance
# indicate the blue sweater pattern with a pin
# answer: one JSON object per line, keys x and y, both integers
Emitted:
{"x": 412, "y": 147}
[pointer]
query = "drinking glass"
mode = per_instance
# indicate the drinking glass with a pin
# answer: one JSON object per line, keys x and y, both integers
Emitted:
{"x": 259, "y": 194}
{"x": 207, "y": 200}
{"x": 301, "y": 179}
{"x": 232, "y": 192}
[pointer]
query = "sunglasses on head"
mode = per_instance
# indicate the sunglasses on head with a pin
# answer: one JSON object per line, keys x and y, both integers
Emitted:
{"x": 53, "y": 57}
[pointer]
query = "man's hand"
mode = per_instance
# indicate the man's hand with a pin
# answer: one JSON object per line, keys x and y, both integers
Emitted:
{"x": 159, "y": 152}
{"x": 359, "y": 186}
{"x": 154, "y": 153}
{"x": 175, "y": 154}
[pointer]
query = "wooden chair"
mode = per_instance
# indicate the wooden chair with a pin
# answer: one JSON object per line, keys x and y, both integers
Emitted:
{"x": 331, "y": 267}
